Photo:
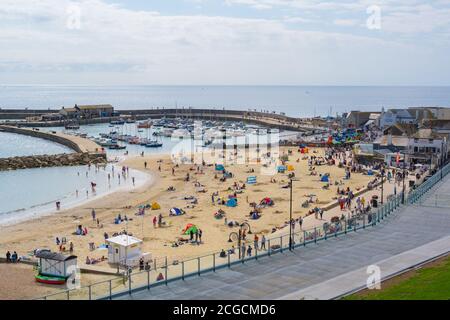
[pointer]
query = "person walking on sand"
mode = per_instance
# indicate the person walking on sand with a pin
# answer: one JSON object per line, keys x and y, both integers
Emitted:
{"x": 300, "y": 222}
{"x": 200, "y": 233}
{"x": 132, "y": 179}
{"x": 145, "y": 165}
{"x": 71, "y": 247}
{"x": 8, "y": 256}
{"x": 154, "y": 222}
{"x": 93, "y": 214}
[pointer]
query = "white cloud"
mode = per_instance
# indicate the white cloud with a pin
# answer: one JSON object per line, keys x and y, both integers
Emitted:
{"x": 119, "y": 45}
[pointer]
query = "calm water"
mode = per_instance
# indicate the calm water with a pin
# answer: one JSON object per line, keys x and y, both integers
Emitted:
{"x": 12, "y": 145}
{"x": 293, "y": 100}
{"x": 31, "y": 192}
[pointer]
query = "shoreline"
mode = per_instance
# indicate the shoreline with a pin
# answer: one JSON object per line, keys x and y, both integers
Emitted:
{"x": 42, "y": 210}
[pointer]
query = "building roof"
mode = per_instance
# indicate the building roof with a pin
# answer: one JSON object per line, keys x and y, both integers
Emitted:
{"x": 48, "y": 255}
{"x": 124, "y": 240}
{"x": 88, "y": 107}
{"x": 94, "y": 107}
{"x": 407, "y": 129}
{"x": 404, "y": 113}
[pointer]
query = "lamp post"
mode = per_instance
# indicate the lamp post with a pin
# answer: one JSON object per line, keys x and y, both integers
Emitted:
{"x": 382, "y": 184}
{"x": 404, "y": 176}
{"x": 442, "y": 159}
{"x": 290, "y": 218}
{"x": 290, "y": 214}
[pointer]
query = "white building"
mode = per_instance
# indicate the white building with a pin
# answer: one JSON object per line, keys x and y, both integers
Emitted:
{"x": 125, "y": 250}
{"x": 427, "y": 147}
{"x": 394, "y": 116}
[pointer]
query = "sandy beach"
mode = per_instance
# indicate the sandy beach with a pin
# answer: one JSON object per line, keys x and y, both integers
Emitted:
{"x": 41, "y": 233}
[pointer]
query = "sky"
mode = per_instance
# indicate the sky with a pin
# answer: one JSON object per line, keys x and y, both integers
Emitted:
{"x": 225, "y": 42}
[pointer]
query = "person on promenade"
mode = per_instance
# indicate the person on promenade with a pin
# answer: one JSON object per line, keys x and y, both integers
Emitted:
{"x": 300, "y": 222}
{"x": 249, "y": 251}
{"x": 263, "y": 242}
{"x": 255, "y": 241}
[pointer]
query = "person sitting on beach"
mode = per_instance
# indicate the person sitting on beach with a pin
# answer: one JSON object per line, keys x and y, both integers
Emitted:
{"x": 223, "y": 254}
{"x": 8, "y": 256}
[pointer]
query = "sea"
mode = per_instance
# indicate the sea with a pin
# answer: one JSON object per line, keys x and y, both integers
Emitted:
{"x": 298, "y": 101}
{"x": 33, "y": 192}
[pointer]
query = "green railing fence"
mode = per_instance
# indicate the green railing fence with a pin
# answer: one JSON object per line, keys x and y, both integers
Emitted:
{"x": 164, "y": 272}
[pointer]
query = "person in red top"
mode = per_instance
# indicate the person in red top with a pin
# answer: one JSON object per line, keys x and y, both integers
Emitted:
{"x": 255, "y": 241}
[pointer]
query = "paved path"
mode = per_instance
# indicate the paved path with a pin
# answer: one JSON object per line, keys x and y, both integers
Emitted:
{"x": 287, "y": 275}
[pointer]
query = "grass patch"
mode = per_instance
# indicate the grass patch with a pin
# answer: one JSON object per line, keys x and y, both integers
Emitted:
{"x": 431, "y": 282}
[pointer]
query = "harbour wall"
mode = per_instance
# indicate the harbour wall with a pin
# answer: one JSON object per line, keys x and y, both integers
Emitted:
{"x": 85, "y": 151}
{"x": 273, "y": 120}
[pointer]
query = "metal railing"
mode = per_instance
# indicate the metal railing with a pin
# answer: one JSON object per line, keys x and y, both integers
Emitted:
{"x": 165, "y": 272}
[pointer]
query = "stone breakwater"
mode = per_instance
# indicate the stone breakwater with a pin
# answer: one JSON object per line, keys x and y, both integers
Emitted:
{"x": 85, "y": 151}
{"x": 45, "y": 161}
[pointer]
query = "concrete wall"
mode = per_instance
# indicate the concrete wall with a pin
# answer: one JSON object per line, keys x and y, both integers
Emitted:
{"x": 43, "y": 135}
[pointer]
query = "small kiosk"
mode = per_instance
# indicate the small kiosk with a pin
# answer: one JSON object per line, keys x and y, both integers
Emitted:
{"x": 54, "y": 268}
{"x": 125, "y": 250}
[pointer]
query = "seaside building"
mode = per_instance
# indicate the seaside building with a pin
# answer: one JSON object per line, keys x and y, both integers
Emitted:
{"x": 358, "y": 119}
{"x": 87, "y": 111}
{"x": 427, "y": 147}
{"x": 125, "y": 250}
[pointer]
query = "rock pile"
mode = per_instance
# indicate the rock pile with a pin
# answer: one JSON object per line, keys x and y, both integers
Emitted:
{"x": 59, "y": 160}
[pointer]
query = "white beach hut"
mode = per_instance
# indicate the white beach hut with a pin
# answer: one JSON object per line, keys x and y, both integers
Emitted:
{"x": 125, "y": 250}
{"x": 55, "y": 264}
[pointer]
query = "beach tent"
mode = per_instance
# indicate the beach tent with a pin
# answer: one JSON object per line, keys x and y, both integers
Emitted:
{"x": 290, "y": 168}
{"x": 370, "y": 173}
{"x": 325, "y": 178}
{"x": 220, "y": 167}
{"x": 281, "y": 169}
{"x": 232, "y": 202}
{"x": 156, "y": 206}
{"x": 190, "y": 227}
{"x": 176, "y": 212}
{"x": 251, "y": 180}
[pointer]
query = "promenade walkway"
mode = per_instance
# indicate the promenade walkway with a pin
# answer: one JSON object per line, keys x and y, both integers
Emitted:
{"x": 330, "y": 268}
